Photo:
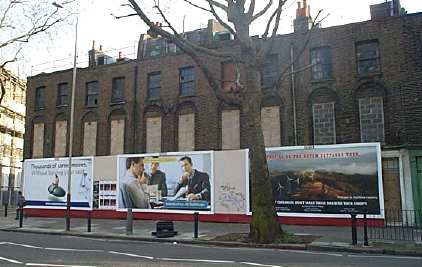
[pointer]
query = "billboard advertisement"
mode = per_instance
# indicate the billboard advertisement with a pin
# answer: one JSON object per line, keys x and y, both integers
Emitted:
{"x": 331, "y": 179}
{"x": 46, "y": 182}
{"x": 166, "y": 182}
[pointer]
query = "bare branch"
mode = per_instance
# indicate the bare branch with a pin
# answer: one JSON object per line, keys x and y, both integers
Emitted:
{"x": 123, "y": 16}
{"x": 225, "y": 25}
{"x": 217, "y": 4}
{"x": 263, "y": 11}
{"x": 195, "y": 56}
{"x": 197, "y": 6}
{"x": 3, "y": 90}
{"x": 282, "y": 75}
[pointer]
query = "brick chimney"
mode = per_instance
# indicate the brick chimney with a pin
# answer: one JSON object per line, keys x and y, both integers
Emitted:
{"x": 303, "y": 21}
{"x": 151, "y": 32}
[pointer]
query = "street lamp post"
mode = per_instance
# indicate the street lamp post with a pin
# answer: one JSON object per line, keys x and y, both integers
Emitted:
{"x": 72, "y": 111}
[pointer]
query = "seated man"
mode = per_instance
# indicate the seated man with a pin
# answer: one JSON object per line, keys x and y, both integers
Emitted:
{"x": 158, "y": 178}
{"x": 195, "y": 183}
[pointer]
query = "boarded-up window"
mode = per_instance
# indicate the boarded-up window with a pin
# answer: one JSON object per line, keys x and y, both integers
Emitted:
{"x": 117, "y": 137}
{"x": 230, "y": 129}
{"x": 270, "y": 122}
{"x": 187, "y": 132}
{"x": 324, "y": 124}
{"x": 229, "y": 77}
{"x": 60, "y": 139}
{"x": 38, "y": 145}
{"x": 371, "y": 119}
{"x": 90, "y": 138}
{"x": 154, "y": 134}
{"x": 391, "y": 187}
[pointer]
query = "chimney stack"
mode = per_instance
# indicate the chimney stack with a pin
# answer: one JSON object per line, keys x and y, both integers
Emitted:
{"x": 303, "y": 21}
{"x": 151, "y": 32}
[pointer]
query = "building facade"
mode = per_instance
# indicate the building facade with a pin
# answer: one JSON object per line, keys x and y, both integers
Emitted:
{"x": 352, "y": 83}
{"x": 12, "y": 128}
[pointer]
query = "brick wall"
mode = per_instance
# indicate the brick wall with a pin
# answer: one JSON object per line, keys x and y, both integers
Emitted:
{"x": 398, "y": 83}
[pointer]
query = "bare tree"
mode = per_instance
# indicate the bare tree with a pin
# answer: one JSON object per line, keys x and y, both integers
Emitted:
{"x": 21, "y": 21}
{"x": 239, "y": 15}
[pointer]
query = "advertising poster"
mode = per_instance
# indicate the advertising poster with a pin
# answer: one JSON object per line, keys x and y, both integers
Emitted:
{"x": 171, "y": 182}
{"x": 336, "y": 179}
{"x": 46, "y": 180}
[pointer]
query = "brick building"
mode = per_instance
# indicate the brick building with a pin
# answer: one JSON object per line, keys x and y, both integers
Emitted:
{"x": 358, "y": 82}
{"x": 12, "y": 128}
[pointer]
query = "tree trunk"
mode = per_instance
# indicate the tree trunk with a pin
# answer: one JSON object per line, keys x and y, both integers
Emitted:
{"x": 264, "y": 227}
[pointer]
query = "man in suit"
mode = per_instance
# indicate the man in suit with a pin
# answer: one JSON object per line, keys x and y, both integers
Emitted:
{"x": 133, "y": 192}
{"x": 158, "y": 177}
{"x": 197, "y": 183}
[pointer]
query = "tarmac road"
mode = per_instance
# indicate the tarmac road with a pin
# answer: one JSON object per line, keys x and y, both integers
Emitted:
{"x": 17, "y": 249}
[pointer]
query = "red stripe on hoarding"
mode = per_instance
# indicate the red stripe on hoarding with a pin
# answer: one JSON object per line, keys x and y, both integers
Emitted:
{"x": 223, "y": 218}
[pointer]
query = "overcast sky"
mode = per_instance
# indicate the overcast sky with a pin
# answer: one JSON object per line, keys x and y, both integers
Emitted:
{"x": 97, "y": 23}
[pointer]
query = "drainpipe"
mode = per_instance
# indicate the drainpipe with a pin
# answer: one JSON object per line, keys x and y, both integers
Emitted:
{"x": 292, "y": 74}
{"x": 135, "y": 107}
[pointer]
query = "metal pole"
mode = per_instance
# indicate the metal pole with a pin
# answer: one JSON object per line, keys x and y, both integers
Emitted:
{"x": 5, "y": 209}
{"x": 365, "y": 230}
{"x": 292, "y": 74}
{"x": 20, "y": 217}
{"x": 354, "y": 232}
{"x": 195, "y": 225}
{"x": 72, "y": 107}
{"x": 129, "y": 222}
{"x": 89, "y": 221}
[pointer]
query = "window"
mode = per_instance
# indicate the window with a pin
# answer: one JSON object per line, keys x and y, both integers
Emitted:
{"x": 270, "y": 122}
{"x": 38, "y": 141}
{"x": 90, "y": 138}
{"x": 171, "y": 47}
{"x": 40, "y": 97}
{"x": 186, "y": 132}
{"x": 154, "y": 85}
{"x": 117, "y": 136}
{"x": 230, "y": 129}
{"x": 92, "y": 93}
{"x": 367, "y": 57}
{"x": 60, "y": 139}
{"x": 324, "y": 124}
{"x": 153, "y": 142}
{"x": 229, "y": 77}
{"x": 269, "y": 72}
{"x": 321, "y": 63}
{"x": 62, "y": 94}
{"x": 371, "y": 119}
{"x": 118, "y": 87}
{"x": 187, "y": 81}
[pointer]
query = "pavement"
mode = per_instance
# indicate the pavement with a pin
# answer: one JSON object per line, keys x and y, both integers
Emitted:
{"x": 325, "y": 238}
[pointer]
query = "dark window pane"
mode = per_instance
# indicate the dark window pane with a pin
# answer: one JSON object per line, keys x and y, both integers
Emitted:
{"x": 92, "y": 93}
{"x": 367, "y": 57}
{"x": 154, "y": 85}
{"x": 62, "y": 94}
{"x": 321, "y": 63}
{"x": 187, "y": 81}
{"x": 269, "y": 71}
{"x": 117, "y": 94}
{"x": 40, "y": 97}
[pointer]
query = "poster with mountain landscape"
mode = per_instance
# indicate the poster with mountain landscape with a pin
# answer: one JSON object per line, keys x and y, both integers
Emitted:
{"x": 334, "y": 179}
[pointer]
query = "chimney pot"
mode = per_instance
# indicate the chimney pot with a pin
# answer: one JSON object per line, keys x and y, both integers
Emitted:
{"x": 101, "y": 47}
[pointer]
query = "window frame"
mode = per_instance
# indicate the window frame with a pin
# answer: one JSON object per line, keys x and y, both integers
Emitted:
{"x": 39, "y": 94}
{"x": 150, "y": 88}
{"x": 89, "y": 95}
{"x": 60, "y": 95}
{"x": 114, "y": 88}
{"x": 182, "y": 90}
{"x": 323, "y": 62}
{"x": 275, "y": 70}
{"x": 359, "y": 60}
{"x": 333, "y": 104}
